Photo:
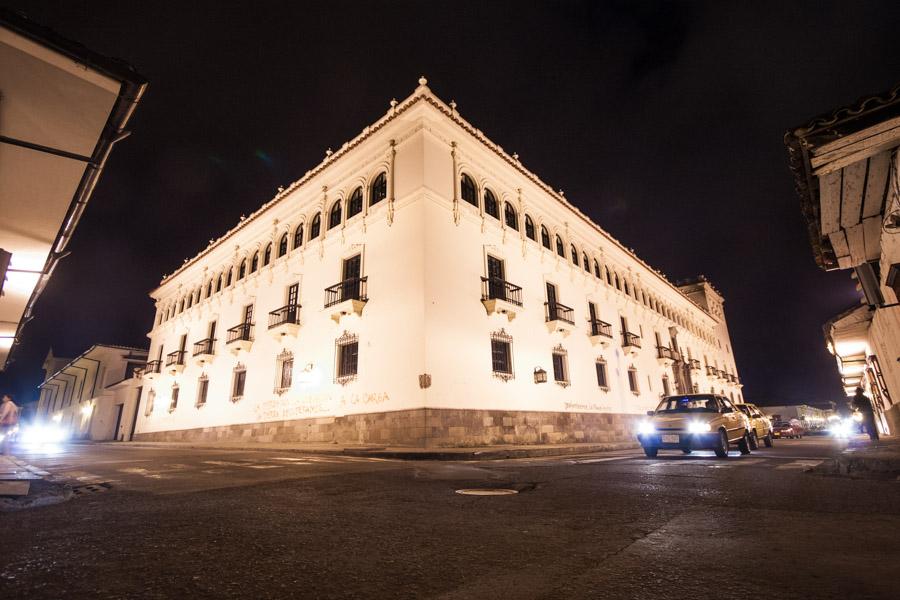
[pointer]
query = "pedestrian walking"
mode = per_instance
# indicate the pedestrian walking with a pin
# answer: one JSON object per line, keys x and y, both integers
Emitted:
{"x": 862, "y": 403}
{"x": 9, "y": 418}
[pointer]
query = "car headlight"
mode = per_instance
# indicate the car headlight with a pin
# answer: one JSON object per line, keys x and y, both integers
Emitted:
{"x": 646, "y": 428}
{"x": 698, "y": 427}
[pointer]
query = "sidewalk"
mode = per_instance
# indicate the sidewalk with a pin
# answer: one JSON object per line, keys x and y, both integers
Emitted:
{"x": 863, "y": 458}
{"x": 400, "y": 453}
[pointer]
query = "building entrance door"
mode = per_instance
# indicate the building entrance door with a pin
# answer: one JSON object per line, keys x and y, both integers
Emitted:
{"x": 119, "y": 408}
{"x": 352, "y": 270}
{"x": 496, "y": 278}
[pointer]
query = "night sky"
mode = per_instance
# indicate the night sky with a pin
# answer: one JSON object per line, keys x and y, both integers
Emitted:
{"x": 661, "y": 121}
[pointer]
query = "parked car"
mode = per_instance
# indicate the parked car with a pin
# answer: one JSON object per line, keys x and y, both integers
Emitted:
{"x": 784, "y": 429}
{"x": 693, "y": 422}
{"x": 760, "y": 425}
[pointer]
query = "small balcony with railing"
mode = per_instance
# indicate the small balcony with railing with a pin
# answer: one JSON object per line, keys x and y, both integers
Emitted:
{"x": 559, "y": 317}
{"x": 175, "y": 362}
{"x": 500, "y": 297}
{"x": 152, "y": 370}
{"x": 204, "y": 351}
{"x": 666, "y": 356}
{"x": 240, "y": 338}
{"x": 284, "y": 321}
{"x": 694, "y": 364}
{"x": 631, "y": 342}
{"x": 601, "y": 332}
{"x": 347, "y": 297}
{"x": 711, "y": 371}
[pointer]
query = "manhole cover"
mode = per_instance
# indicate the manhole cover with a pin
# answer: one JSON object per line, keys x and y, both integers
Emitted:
{"x": 487, "y": 492}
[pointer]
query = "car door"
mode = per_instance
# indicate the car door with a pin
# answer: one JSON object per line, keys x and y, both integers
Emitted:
{"x": 734, "y": 419}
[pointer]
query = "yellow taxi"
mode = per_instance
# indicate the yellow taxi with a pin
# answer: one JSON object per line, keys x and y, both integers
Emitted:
{"x": 760, "y": 425}
{"x": 695, "y": 422}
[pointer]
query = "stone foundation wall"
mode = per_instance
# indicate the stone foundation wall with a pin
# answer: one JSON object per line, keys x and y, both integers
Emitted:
{"x": 423, "y": 427}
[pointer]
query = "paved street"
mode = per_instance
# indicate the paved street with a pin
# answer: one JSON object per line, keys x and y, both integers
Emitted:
{"x": 164, "y": 523}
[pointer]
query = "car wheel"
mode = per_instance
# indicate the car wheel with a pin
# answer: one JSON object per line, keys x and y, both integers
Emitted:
{"x": 650, "y": 452}
{"x": 686, "y": 450}
{"x": 768, "y": 440}
{"x": 754, "y": 441}
{"x": 721, "y": 448}
{"x": 744, "y": 444}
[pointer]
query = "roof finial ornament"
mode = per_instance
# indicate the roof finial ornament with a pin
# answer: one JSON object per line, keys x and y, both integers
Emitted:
{"x": 328, "y": 152}
{"x": 516, "y": 156}
{"x": 422, "y": 81}
{"x": 453, "y": 106}
{"x": 562, "y": 193}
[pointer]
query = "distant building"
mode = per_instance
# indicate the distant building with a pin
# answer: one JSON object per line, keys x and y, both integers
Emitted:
{"x": 62, "y": 107}
{"x": 845, "y": 166}
{"x": 95, "y": 395}
{"x": 421, "y": 287}
{"x": 812, "y": 418}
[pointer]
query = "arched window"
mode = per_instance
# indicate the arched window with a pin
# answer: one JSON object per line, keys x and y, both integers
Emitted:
{"x": 597, "y": 273}
{"x": 467, "y": 190}
{"x": 586, "y": 263}
{"x": 219, "y": 284}
{"x": 490, "y": 204}
{"x": 512, "y": 218}
{"x": 529, "y": 228}
{"x": 242, "y": 270}
{"x": 334, "y": 218}
{"x": 627, "y": 289}
{"x": 267, "y": 257}
{"x": 574, "y": 254}
{"x": 618, "y": 283}
{"x": 181, "y": 305}
{"x": 316, "y": 226}
{"x": 230, "y": 272}
{"x": 282, "y": 245}
{"x": 354, "y": 204}
{"x": 545, "y": 237}
{"x": 378, "y": 191}
{"x": 559, "y": 247}
{"x": 298, "y": 236}
{"x": 254, "y": 262}
{"x": 209, "y": 288}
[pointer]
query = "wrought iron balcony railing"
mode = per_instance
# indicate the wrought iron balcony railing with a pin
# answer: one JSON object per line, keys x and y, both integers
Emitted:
{"x": 285, "y": 314}
{"x": 204, "y": 346}
{"x": 631, "y": 339}
{"x": 695, "y": 364}
{"x": 494, "y": 288}
{"x": 175, "y": 358}
{"x": 711, "y": 371}
{"x": 244, "y": 332}
{"x": 664, "y": 352}
{"x": 348, "y": 289}
{"x": 154, "y": 366}
{"x": 599, "y": 327}
{"x": 559, "y": 312}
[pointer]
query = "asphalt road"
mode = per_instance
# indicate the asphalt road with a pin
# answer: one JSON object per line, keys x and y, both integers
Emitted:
{"x": 226, "y": 524}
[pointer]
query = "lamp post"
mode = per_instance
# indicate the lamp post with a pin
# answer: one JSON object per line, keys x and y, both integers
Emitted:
{"x": 540, "y": 375}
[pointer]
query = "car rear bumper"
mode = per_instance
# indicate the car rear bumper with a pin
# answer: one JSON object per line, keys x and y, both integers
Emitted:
{"x": 693, "y": 441}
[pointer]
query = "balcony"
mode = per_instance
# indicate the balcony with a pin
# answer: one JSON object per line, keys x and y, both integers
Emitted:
{"x": 695, "y": 365}
{"x": 631, "y": 342}
{"x": 666, "y": 356}
{"x": 284, "y": 321}
{"x": 559, "y": 317}
{"x": 711, "y": 371}
{"x": 152, "y": 370}
{"x": 346, "y": 298}
{"x": 240, "y": 338}
{"x": 500, "y": 297}
{"x": 175, "y": 362}
{"x": 204, "y": 351}
{"x": 601, "y": 332}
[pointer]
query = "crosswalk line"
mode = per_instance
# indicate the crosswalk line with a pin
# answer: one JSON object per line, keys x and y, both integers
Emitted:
{"x": 799, "y": 464}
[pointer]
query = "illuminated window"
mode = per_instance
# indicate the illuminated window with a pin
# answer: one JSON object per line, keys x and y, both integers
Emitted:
{"x": 334, "y": 218}
{"x": 467, "y": 190}
{"x": 490, "y": 204}
{"x": 501, "y": 355}
{"x": 378, "y": 191}
{"x": 346, "y": 358}
{"x": 529, "y": 228}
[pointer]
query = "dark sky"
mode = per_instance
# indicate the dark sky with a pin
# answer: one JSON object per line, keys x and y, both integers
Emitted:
{"x": 662, "y": 121}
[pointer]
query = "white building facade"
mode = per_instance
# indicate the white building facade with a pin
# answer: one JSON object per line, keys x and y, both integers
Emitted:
{"x": 421, "y": 287}
{"x": 95, "y": 395}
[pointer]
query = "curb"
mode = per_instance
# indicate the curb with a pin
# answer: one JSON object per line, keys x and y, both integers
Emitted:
{"x": 437, "y": 455}
{"x": 861, "y": 467}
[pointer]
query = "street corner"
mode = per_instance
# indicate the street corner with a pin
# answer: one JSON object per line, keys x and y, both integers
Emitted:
{"x": 24, "y": 486}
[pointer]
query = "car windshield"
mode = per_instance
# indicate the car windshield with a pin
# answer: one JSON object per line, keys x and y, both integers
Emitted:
{"x": 744, "y": 410}
{"x": 688, "y": 404}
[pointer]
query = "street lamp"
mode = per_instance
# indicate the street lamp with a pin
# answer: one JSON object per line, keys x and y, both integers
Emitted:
{"x": 540, "y": 375}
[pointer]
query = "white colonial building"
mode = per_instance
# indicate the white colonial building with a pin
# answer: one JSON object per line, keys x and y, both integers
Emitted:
{"x": 421, "y": 287}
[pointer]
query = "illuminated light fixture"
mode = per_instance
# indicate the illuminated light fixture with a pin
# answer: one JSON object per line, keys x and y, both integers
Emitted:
{"x": 540, "y": 375}
{"x": 6, "y": 341}
{"x": 86, "y": 410}
{"x": 57, "y": 417}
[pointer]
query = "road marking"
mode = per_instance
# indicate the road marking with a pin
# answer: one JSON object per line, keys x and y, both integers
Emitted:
{"x": 265, "y": 466}
{"x": 590, "y": 461}
{"x": 800, "y": 464}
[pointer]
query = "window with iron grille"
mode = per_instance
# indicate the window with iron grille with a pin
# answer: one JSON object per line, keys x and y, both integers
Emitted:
{"x": 284, "y": 371}
{"x": 633, "y": 381}
{"x": 238, "y": 381}
{"x": 560, "y": 366}
{"x": 151, "y": 396}
{"x": 346, "y": 358}
{"x": 501, "y": 355}
{"x": 202, "y": 389}
{"x": 174, "y": 403}
{"x": 602, "y": 380}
